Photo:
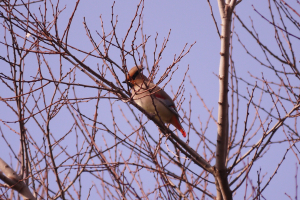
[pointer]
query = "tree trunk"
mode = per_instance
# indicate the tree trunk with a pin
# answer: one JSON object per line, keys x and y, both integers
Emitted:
{"x": 220, "y": 171}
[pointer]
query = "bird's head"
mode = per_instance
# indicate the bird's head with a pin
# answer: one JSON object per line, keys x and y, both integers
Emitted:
{"x": 135, "y": 76}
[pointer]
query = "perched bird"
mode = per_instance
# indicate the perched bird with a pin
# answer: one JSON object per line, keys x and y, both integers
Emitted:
{"x": 152, "y": 98}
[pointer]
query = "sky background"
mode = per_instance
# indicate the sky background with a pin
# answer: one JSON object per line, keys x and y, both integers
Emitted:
{"x": 189, "y": 22}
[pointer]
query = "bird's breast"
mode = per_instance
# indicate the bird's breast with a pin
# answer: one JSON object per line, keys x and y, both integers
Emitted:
{"x": 153, "y": 106}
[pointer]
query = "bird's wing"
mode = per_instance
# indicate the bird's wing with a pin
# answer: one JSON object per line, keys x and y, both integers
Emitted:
{"x": 166, "y": 100}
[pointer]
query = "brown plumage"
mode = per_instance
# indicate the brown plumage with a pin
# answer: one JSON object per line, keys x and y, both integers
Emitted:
{"x": 152, "y": 98}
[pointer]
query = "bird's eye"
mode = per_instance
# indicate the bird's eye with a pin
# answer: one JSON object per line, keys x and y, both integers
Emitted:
{"x": 135, "y": 75}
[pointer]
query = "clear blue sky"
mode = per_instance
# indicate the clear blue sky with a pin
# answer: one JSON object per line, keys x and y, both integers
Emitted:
{"x": 189, "y": 21}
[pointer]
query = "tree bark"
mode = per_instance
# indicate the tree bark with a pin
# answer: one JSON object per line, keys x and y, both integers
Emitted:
{"x": 220, "y": 171}
{"x": 14, "y": 181}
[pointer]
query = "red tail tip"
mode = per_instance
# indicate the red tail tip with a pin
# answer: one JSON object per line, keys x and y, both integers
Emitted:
{"x": 183, "y": 132}
{"x": 177, "y": 124}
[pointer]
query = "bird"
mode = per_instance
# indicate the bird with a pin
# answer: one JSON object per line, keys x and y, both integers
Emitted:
{"x": 152, "y": 98}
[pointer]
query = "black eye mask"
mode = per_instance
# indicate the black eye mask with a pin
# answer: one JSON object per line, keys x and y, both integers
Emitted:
{"x": 135, "y": 75}
{"x": 132, "y": 78}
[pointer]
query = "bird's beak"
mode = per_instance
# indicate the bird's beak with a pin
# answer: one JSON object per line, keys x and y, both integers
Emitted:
{"x": 124, "y": 81}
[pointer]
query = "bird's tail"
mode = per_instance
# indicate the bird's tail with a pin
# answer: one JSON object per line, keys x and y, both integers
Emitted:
{"x": 175, "y": 122}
